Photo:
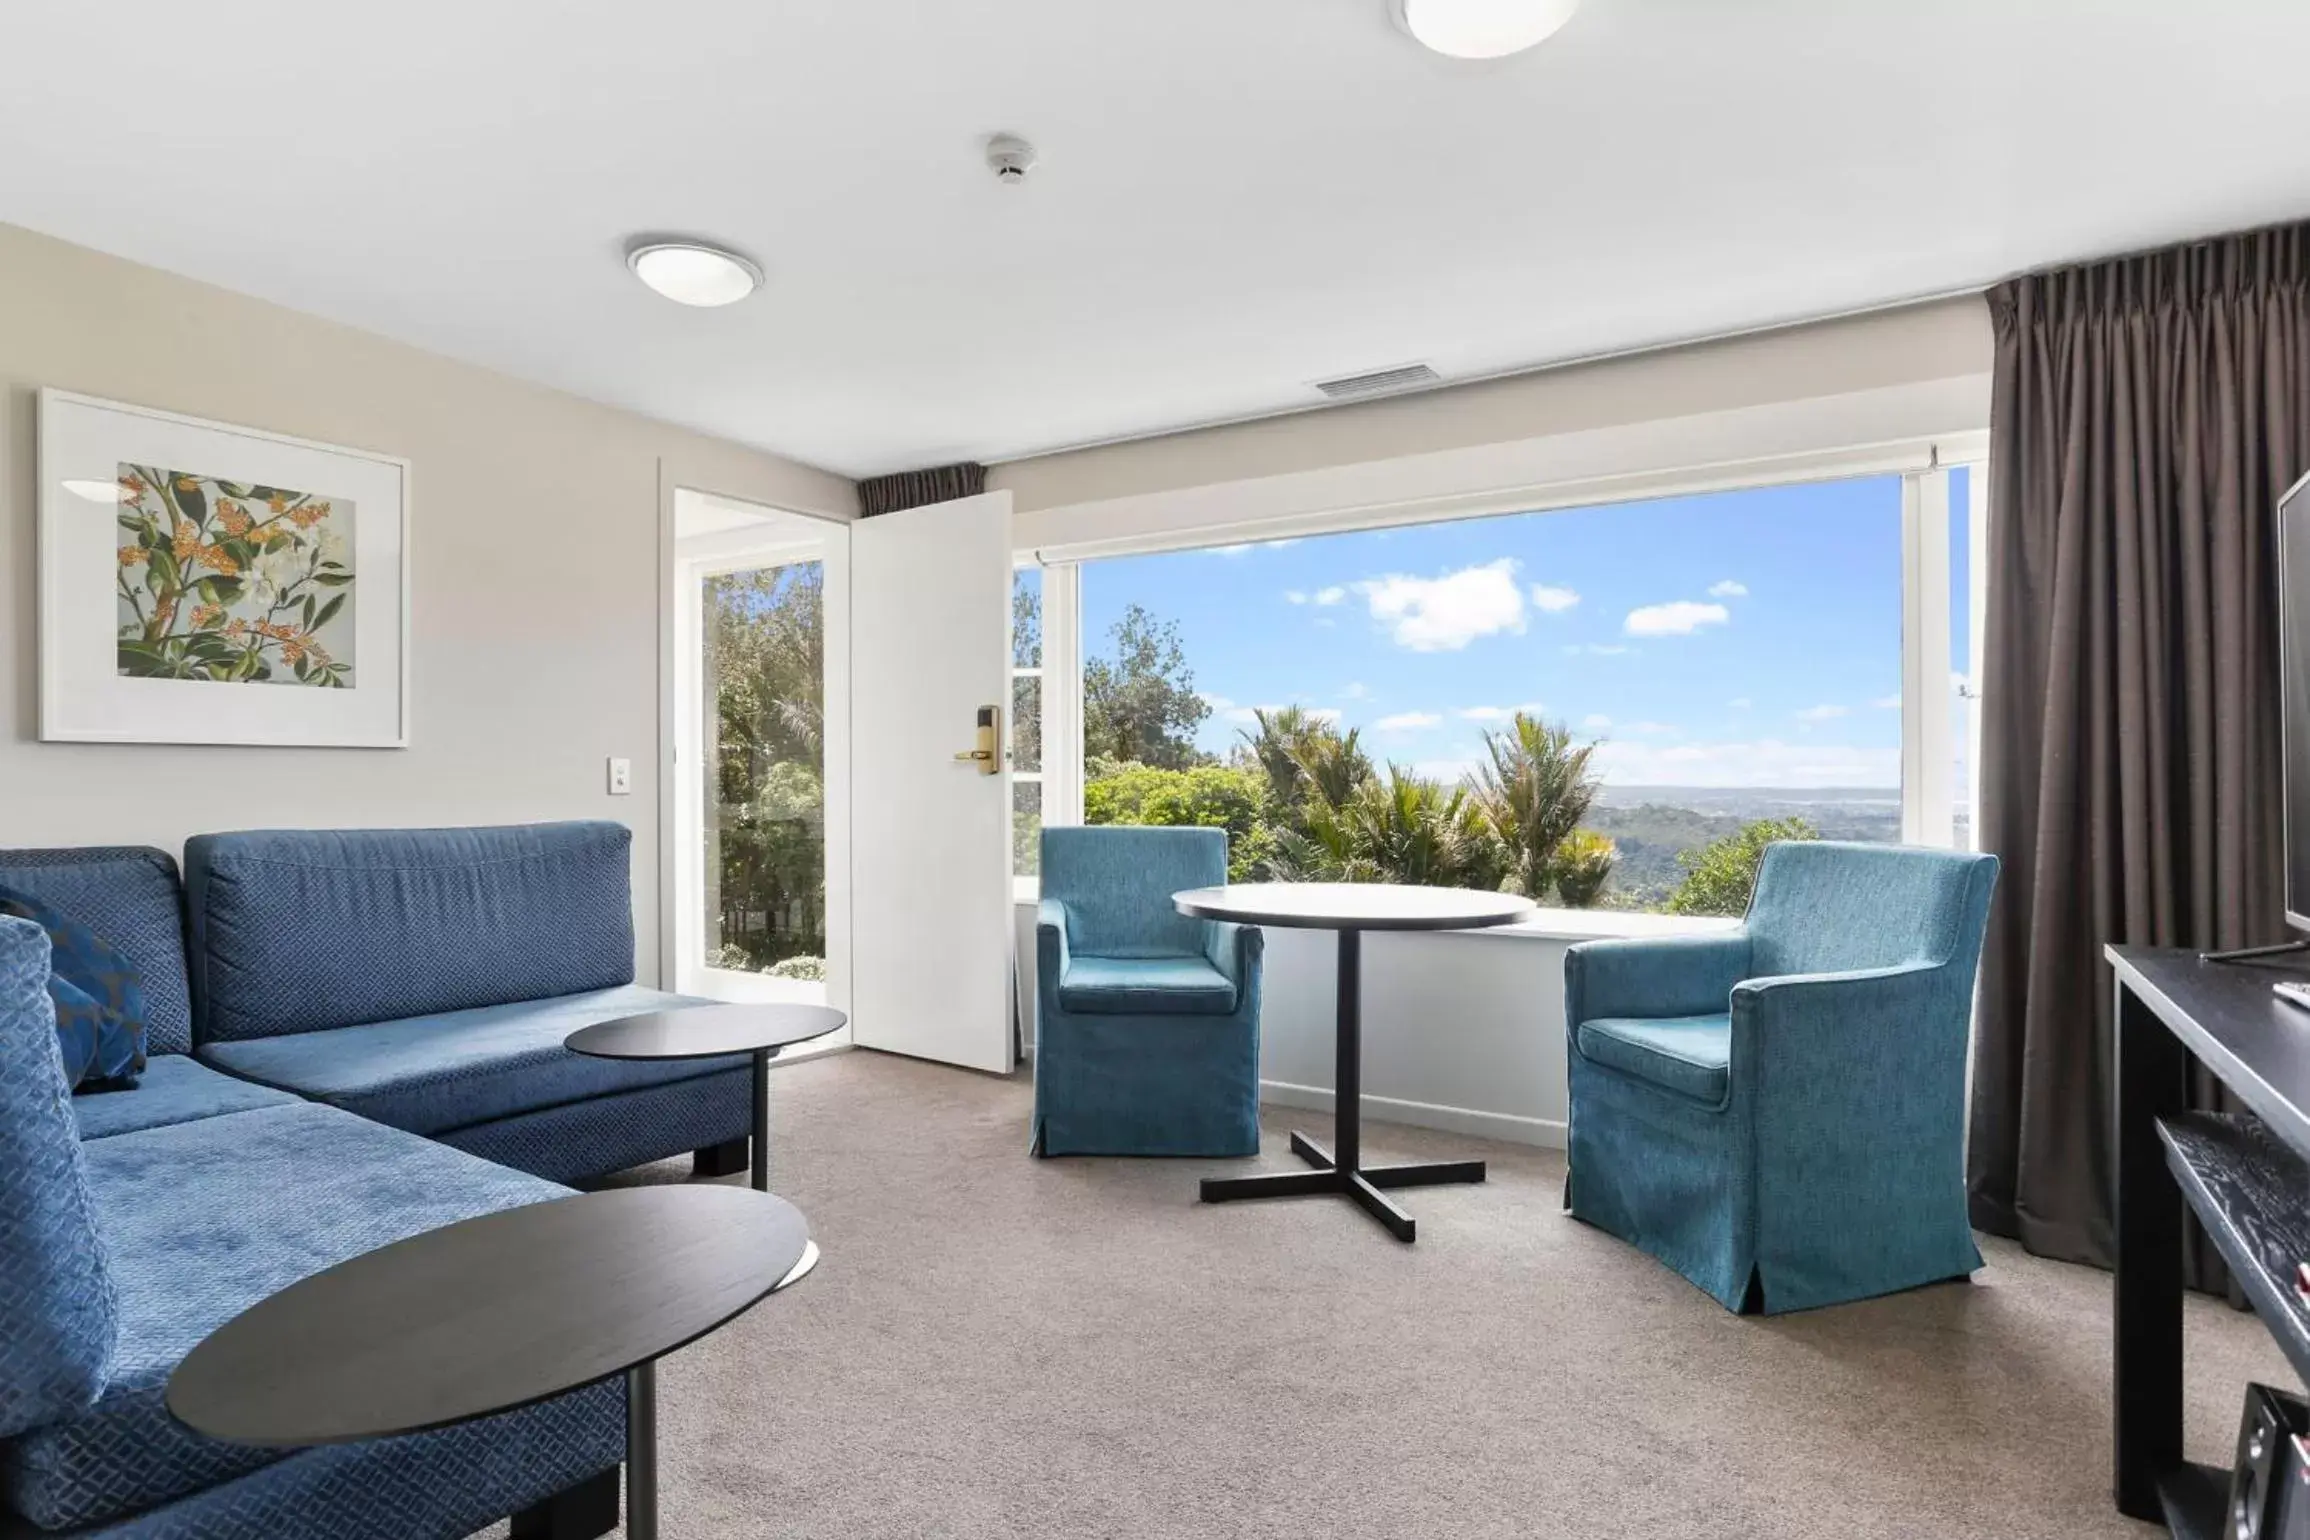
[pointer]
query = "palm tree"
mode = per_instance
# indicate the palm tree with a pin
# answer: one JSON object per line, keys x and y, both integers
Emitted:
{"x": 1583, "y": 866}
{"x": 1536, "y": 790}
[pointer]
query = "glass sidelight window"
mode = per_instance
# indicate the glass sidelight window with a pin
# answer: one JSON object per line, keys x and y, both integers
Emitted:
{"x": 764, "y": 769}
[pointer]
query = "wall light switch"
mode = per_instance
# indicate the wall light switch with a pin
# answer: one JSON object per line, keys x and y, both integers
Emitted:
{"x": 621, "y": 777}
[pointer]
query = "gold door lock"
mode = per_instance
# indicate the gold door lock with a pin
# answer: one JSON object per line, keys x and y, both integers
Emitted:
{"x": 988, "y": 755}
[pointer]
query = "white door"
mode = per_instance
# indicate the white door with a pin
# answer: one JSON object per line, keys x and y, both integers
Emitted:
{"x": 930, "y": 832}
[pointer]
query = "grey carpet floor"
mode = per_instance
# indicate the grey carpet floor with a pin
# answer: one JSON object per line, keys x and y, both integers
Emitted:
{"x": 998, "y": 1346}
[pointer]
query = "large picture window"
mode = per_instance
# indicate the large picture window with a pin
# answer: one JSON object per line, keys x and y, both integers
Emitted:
{"x": 1612, "y": 706}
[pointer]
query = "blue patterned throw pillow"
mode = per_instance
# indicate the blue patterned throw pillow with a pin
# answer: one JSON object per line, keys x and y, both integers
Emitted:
{"x": 99, "y": 1003}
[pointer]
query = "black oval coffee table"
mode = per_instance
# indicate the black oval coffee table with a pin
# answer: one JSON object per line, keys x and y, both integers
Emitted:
{"x": 1350, "y": 908}
{"x": 715, "y": 1032}
{"x": 493, "y": 1314}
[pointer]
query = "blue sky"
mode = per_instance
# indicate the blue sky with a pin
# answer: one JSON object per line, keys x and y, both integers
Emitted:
{"x": 1744, "y": 638}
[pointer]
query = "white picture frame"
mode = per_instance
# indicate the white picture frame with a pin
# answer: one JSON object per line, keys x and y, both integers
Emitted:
{"x": 202, "y": 582}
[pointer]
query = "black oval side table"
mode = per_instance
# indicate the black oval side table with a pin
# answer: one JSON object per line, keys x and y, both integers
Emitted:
{"x": 493, "y": 1314}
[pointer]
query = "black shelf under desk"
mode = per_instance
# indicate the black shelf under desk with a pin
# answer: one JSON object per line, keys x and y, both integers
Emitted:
{"x": 2246, "y": 1176}
{"x": 2253, "y": 1196}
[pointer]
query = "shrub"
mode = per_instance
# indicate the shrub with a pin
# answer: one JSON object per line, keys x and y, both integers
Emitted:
{"x": 1583, "y": 866}
{"x": 1720, "y": 876}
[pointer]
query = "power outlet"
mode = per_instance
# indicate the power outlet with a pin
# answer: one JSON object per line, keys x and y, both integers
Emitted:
{"x": 621, "y": 777}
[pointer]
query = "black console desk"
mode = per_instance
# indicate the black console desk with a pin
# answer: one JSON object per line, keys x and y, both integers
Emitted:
{"x": 2247, "y": 1177}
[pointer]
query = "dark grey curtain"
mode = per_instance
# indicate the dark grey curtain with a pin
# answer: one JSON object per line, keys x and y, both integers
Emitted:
{"x": 2146, "y": 415}
{"x": 912, "y": 489}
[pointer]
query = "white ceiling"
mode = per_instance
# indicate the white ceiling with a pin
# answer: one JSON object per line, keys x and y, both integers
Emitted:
{"x": 1236, "y": 197}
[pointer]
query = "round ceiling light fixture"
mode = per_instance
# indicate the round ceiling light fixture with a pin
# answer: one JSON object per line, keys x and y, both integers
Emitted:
{"x": 1482, "y": 29}
{"x": 693, "y": 272}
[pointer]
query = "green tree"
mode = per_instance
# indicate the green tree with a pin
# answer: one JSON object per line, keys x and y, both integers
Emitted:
{"x": 1408, "y": 828}
{"x": 1720, "y": 876}
{"x": 1140, "y": 704}
{"x": 1583, "y": 866}
{"x": 1535, "y": 786}
{"x": 1290, "y": 739}
{"x": 1230, "y": 797}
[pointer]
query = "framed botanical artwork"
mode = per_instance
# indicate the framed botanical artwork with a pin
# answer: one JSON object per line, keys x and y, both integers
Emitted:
{"x": 204, "y": 583}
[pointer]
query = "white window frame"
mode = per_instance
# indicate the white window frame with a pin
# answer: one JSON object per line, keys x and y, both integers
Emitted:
{"x": 1928, "y": 747}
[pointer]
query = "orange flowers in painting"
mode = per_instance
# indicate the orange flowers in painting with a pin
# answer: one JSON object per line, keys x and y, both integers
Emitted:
{"x": 233, "y": 582}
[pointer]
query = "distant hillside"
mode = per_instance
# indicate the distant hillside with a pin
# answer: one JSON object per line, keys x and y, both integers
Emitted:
{"x": 1652, "y": 825}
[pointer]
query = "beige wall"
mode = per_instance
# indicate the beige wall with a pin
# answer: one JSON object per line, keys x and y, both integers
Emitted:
{"x": 1943, "y": 340}
{"x": 534, "y": 586}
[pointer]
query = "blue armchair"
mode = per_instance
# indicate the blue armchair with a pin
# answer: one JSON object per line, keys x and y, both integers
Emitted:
{"x": 1147, "y": 1028}
{"x": 1778, "y": 1112}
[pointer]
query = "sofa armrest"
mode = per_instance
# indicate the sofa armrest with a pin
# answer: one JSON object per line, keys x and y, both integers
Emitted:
{"x": 1235, "y": 950}
{"x": 1664, "y": 976}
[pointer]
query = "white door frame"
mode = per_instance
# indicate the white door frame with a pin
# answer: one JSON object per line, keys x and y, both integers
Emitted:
{"x": 680, "y": 802}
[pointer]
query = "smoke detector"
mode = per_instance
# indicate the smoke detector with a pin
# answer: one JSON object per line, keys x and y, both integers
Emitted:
{"x": 1010, "y": 158}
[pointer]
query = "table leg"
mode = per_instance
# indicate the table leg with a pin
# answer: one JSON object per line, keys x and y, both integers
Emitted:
{"x": 1347, "y": 1112}
{"x": 762, "y": 1119}
{"x": 2146, "y": 1369}
{"x": 642, "y": 1452}
{"x": 1343, "y": 1171}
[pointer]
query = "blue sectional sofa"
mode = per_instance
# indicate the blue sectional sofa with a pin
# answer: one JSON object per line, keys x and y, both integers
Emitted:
{"x": 358, "y": 1017}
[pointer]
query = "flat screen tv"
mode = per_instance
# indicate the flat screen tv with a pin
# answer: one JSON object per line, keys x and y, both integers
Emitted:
{"x": 2294, "y": 688}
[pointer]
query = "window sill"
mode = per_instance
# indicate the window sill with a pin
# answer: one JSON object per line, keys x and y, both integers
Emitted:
{"x": 1547, "y": 925}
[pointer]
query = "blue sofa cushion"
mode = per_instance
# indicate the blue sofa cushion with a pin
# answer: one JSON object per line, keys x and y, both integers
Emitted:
{"x": 1691, "y": 1055}
{"x": 129, "y": 896}
{"x": 99, "y": 1004}
{"x": 176, "y": 1088}
{"x": 1159, "y": 986}
{"x": 191, "y": 1252}
{"x": 299, "y": 931}
{"x": 431, "y": 1074}
{"x": 56, "y": 1292}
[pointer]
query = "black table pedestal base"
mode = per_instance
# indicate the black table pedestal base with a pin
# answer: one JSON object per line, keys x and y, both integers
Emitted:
{"x": 1346, "y": 1173}
{"x": 1366, "y": 1186}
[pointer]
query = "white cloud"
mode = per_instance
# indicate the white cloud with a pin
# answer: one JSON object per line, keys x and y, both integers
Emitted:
{"x": 1331, "y": 595}
{"x": 1328, "y": 715}
{"x": 1445, "y": 614}
{"x": 1530, "y": 708}
{"x": 1295, "y": 596}
{"x": 1355, "y": 691}
{"x": 1244, "y": 548}
{"x": 1680, "y": 617}
{"x": 1740, "y": 703}
{"x": 1596, "y": 650}
{"x": 1227, "y": 550}
{"x": 1552, "y": 600}
{"x": 1649, "y": 729}
{"x": 1888, "y": 702}
{"x": 1450, "y": 771}
{"x": 1820, "y": 713}
{"x": 1407, "y": 722}
{"x": 1596, "y": 722}
{"x": 1728, "y": 589}
{"x": 1757, "y": 762}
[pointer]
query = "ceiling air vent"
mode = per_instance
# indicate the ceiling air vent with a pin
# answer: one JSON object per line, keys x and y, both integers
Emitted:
{"x": 1380, "y": 382}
